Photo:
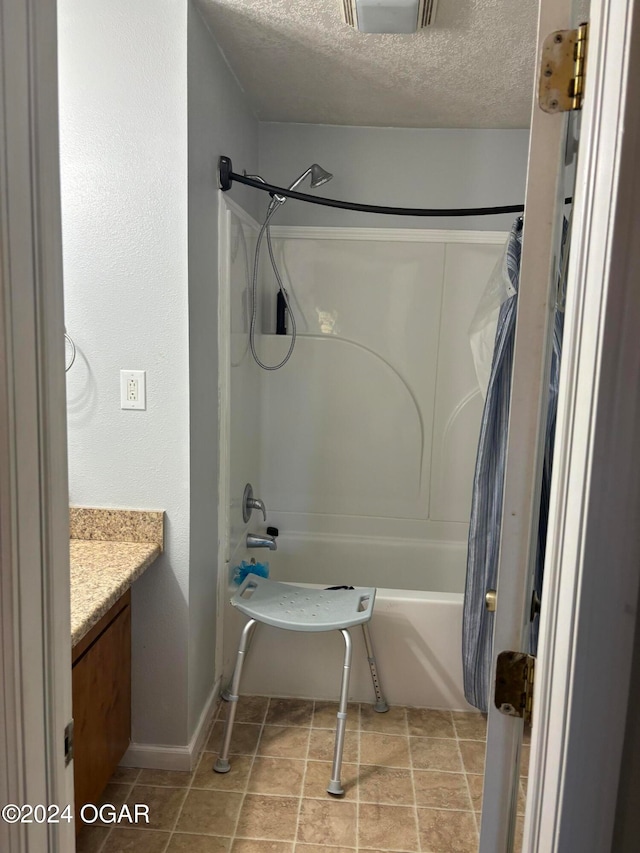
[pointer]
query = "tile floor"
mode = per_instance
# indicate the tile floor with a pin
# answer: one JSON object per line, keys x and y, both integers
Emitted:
{"x": 412, "y": 778}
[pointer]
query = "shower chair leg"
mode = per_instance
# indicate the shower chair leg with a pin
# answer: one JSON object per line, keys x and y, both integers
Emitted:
{"x": 226, "y": 692}
{"x": 222, "y": 764}
{"x": 381, "y": 705}
{"x": 335, "y": 786}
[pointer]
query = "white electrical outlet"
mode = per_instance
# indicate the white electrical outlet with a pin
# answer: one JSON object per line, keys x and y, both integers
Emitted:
{"x": 133, "y": 389}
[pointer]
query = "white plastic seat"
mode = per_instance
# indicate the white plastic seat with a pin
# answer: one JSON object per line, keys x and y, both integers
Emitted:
{"x": 297, "y": 608}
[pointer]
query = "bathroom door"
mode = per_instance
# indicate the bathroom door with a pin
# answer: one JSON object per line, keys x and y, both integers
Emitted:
{"x": 546, "y": 180}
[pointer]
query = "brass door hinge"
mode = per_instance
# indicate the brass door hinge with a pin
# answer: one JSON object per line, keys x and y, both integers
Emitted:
{"x": 562, "y": 70}
{"x": 514, "y": 684}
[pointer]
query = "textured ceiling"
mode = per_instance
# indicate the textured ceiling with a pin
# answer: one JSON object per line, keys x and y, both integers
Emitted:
{"x": 298, "y": 62}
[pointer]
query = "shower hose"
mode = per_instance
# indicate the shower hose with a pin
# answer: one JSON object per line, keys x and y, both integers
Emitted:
{"x": 273, "y": 206}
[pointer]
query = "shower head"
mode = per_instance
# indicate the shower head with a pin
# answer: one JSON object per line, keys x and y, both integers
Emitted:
{"x": 319, "y": 176}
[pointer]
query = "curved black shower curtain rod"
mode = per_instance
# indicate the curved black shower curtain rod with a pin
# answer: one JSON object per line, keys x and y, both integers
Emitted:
{"x": 227, "y": 176}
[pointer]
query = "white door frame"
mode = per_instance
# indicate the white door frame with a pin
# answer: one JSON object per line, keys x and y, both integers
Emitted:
{"x": 537, "y": 295}
{"x": 593, "y": 553}
{"x": 35, "y": 659}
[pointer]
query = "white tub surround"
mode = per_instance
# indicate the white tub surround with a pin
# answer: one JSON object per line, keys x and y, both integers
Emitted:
{"x": 362, "y": 446}
{"x": 377, "y": 414}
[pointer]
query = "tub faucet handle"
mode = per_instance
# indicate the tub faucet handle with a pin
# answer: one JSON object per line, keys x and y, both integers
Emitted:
{"x": 249, "y": 503}
{"x": 256, "y": 503}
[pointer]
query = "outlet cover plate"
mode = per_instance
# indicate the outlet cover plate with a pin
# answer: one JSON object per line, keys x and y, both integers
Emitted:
{"x": 133, "y": 389}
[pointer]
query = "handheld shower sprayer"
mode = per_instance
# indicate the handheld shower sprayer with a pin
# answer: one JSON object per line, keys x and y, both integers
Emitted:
{"x": 319, "y": 176}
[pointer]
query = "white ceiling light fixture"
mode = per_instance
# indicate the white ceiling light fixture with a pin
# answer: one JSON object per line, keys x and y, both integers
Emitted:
{"x": 389, "y": 16}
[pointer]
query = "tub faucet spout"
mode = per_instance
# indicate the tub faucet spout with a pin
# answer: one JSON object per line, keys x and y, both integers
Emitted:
{"x": 261, "y": 541}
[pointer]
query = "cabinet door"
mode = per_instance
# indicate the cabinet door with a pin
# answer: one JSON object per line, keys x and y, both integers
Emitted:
{"x": 102, "y": 707}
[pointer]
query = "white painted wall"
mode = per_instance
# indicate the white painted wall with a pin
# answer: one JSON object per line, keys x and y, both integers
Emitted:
{"x": 123, "y": 129}
{"x": 218, "y": 121}
{"x": 396, "y": 166}
{"x": 140, "y": 264}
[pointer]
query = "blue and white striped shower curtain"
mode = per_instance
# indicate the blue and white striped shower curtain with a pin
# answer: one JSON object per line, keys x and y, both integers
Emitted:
{"x": 488, "y": 484}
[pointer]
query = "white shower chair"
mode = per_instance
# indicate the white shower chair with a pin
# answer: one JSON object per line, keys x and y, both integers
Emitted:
{"x": 297, "y": 608}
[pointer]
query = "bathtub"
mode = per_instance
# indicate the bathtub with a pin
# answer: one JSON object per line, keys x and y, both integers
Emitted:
{"x": 416, "y": 633}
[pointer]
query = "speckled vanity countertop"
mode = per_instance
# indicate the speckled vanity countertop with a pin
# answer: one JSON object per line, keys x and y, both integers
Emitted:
{"x": 103, "y": 566}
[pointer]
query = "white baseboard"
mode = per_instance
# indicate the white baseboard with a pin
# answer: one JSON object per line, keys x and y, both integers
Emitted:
{"x": 160, "y": 757}
{"x": 202, "y": 728}
{"x": 157, "y": 757}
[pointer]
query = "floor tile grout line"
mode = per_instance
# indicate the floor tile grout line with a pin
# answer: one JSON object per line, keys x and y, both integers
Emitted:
{"x": 137, "y": 776}
{"x": 455, "y": 737}
{"x": 368, "y": 763}
{"x": 466, "y": 781}
{"x": 111, "y": 828}
{"x": 195, "y": 832}
{"x": 408, "y": 767}
{"x": 325, "y": 761}
{"x": 104, "y": 840}
{"x": 166, "y": 846}
{"x": 443, "y": 809}
{"x": 129, "y": 785}
{"x": 413, "y": 780}
{"x": 252, "y": 840}
{"x": 178, "y": 815}
{"x": 413, "y": 785}
{"x": 253, "y": 761}
{"x": 388, "y": 850}
{"x": 188, "y": 787}
{"x": 304, "y": 779}
{"x": 192, "y": 784}
{"x": 358, "y": 775}
{"x": 363, "y": 801}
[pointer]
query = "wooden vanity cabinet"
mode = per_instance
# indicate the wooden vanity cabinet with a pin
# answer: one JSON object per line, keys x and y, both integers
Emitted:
{"x": 101, "y": 683}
